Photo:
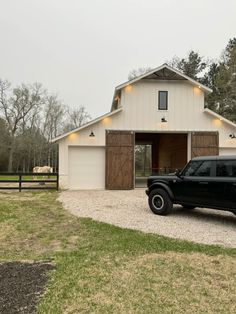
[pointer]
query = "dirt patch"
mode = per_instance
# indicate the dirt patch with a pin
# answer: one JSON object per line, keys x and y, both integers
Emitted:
{"x": 21, "y": 284}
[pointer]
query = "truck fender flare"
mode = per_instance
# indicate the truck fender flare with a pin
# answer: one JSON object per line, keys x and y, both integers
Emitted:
{"x": 160, "y": 185}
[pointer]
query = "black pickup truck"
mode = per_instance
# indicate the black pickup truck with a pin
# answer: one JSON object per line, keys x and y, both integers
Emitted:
{"x": 204, "y": 182}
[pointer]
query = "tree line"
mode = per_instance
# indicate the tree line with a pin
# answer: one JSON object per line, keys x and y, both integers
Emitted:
{"x": 30, "y": 117}
{"x": 219, "y": 75}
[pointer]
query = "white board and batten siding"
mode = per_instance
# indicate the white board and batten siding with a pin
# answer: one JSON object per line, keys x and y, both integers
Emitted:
{"x": 140, "y": 114}
{"x": 86, "y": 168}
{"x": 226, "y": 151}
{"x": 82, "y": 158}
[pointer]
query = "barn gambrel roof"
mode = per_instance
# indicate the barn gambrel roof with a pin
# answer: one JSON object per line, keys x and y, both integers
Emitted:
{"x": 163, "y": 73}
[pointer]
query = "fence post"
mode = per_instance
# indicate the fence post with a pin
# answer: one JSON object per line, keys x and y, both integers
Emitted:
{"x": 19, "y": 182}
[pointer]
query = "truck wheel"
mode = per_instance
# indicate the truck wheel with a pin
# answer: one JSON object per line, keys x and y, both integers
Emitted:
{"x": 160, "y": 202}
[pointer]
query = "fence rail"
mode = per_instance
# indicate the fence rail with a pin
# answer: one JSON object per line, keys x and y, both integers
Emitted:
{"x": 21, "y": 179}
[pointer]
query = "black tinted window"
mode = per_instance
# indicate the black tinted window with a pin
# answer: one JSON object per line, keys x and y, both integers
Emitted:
{"x": 163, "y": 100}
{"x": 198, "y": 168}
{"x": 204, "y": 170}
{"x": 226, "y": 168}
{"x": 191, "y": 168}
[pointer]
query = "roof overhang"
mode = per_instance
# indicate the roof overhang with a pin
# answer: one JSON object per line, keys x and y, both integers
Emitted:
{"x": 218, "y": 116}
{"x": 162, "y": 73}
{"x": 90, "y": 123}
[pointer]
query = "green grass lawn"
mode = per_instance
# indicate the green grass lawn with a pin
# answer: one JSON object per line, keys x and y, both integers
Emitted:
{"x": 105, "y": 269}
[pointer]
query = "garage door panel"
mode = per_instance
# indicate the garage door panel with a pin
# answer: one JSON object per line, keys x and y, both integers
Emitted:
{"x": 86, "y": 168}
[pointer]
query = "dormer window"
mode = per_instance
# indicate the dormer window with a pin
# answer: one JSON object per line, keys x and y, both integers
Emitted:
{"x": 162, "y": 100}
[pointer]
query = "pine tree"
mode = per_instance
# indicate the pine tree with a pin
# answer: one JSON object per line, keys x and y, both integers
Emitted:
{"x": 221, "y": 77}
{"x": 193, "y": 65}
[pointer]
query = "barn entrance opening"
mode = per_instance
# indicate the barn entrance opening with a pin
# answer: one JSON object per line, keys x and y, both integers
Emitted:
{"x": 143, "y": 163}
{"x": 158, "y": 154}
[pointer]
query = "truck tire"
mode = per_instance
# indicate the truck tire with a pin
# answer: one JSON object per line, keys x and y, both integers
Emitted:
{"x": 160, "y": 202}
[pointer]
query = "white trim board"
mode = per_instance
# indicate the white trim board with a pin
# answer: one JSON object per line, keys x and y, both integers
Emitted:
{"x": 206, "y": 110}
{"x": 87, "y": 124}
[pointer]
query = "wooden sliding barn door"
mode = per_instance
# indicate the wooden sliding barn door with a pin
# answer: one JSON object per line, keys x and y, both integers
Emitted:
{"x": 205, "y": 144}
{"x": 119, "y": 160}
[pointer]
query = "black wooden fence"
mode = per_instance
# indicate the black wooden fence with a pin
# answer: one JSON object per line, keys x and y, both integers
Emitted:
{"x": 39, "y": 183}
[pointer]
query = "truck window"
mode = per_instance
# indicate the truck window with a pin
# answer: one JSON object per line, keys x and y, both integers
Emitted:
{"x": 198, "y": 169}
{"x": 226, "y": 168}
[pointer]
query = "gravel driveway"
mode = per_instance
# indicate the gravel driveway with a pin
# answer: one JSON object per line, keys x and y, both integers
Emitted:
{"x": 129, "y": 209}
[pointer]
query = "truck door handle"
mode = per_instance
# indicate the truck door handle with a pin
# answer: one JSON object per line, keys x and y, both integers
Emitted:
{"x": 203, "y": 182}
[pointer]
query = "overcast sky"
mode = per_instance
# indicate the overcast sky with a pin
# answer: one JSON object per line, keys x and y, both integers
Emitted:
{"x": 82, "y": 49}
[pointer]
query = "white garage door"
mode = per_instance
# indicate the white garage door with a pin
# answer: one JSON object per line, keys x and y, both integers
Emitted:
{"x": 86, "y": 168}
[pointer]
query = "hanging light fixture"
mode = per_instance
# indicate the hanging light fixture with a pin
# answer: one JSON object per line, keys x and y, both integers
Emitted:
{"x": 91, "y": 134}
{"x": 163, "y": 119}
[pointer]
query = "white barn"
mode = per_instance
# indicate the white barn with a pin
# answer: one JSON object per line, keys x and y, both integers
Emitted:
{"x": 156, "y": 124}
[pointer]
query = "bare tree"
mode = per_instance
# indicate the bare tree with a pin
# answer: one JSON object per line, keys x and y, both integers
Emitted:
{"x": 53, "y": 114}
{"x": 52, "y": 121}
{"x": 76, "y": 118}
{"x": 29, "y": 118}
{"x": 137, "y": 72}
{"x": 15, "y": 106}
{"x": 4, "y": 144}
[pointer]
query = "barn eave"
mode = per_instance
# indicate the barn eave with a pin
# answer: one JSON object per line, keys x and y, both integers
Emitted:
{"x": 111, "y": 113}
{"x": 217, "y": 116}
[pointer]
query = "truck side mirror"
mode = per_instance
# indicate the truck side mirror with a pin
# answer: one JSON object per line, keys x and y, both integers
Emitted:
{"x": 178, "y": 173}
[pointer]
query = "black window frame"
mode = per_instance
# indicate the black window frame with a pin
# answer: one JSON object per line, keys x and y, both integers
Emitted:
{"x": 159, "y": 93}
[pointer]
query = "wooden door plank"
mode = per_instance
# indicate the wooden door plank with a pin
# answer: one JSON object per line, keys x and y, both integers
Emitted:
{"x": 205, "y": 144}
{"x": 119, "y": 160}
